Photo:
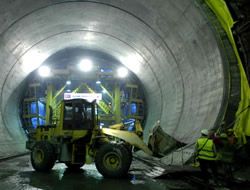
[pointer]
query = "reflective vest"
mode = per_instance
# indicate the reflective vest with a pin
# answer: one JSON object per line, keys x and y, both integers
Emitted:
{"x": 206, "y": 149}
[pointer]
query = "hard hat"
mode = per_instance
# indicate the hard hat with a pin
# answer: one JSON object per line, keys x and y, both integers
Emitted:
{"x": 230, "y": 131}
{"x": 223, "y": 135}
{"x": 204, "y": 132}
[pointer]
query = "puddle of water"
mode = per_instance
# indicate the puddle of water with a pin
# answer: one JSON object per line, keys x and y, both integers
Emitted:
{"x": 87, "y": 178}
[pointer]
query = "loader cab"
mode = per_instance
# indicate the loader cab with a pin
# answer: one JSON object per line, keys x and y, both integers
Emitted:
{"x": 78, "y": 114}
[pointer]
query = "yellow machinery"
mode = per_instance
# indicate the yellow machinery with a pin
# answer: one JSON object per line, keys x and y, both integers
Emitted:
{"x": 76, "y": 140}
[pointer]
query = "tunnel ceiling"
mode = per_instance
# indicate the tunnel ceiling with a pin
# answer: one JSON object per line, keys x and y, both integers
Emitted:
{"x": 168, "y": 44}
{"x": 64, "y": 64}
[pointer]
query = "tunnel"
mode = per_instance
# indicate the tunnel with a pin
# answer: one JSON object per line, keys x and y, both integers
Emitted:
{"x": 176, "y": 48}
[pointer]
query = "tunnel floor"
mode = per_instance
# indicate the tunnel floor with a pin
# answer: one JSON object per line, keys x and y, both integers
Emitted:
{"x": 18, "y": 174}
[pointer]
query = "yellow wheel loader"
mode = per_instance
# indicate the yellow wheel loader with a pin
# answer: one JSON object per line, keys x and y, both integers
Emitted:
{"x": 76, "y": 139}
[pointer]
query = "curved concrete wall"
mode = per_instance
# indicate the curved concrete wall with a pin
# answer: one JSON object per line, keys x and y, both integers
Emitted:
{"x": 168, "y": 44}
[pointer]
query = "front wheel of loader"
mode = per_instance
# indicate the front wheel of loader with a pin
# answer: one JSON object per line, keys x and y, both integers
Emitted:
{"x": 113, "y": 160}
{"x": 43, "y": 156}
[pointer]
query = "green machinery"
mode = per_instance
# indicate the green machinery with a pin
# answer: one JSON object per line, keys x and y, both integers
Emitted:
{"x": 76, "y": 139}
{"x": 115, "y": 106}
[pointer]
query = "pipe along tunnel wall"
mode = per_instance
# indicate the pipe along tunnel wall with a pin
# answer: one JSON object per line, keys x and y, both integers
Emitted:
{"x": 169, "y": 44}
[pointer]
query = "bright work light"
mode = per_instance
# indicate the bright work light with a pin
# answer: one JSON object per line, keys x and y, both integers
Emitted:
{"x": 85, "y": 65}
{"x": 44, "y": 71}
{"x": 122, "y": 72}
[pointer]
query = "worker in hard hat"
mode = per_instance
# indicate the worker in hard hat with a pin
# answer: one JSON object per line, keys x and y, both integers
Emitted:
{"x": 226, "y": 152}
{"x": 207, "y": 156}
{"x": 231, "y": 137}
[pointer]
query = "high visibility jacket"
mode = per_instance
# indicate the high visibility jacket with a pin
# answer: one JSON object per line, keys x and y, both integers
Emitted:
{"x": 206, "y": 149}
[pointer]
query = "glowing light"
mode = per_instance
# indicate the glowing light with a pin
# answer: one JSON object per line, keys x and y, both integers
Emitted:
{"x": 27, "y": 67}
{"x": 68, "y": 82}
{"x": 89, "y": 36}
{"x": 32, "y": 60}
{"x": 98, "y": 82}
{"x": 85, "y": 65}
{"x": 68, "y": 90}
{"x": 133, "y": 62}
{"x": 122, "y": 72}
{"x": 44, "y": 71}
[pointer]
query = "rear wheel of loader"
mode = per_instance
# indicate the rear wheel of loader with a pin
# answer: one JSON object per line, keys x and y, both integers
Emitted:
{"x": 113, "y": 160}
{"x": 43, "y": 156}
{"x": 74, "y": 166}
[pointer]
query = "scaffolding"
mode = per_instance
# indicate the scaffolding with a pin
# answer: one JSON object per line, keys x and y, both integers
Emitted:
{"x": 33, "y": 108}
{"x": 132, "y": 102}
{"x": 123, "y": 103}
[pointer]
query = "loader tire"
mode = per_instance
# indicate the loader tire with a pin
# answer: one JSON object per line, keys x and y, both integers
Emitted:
{"x": 43, "y": 156}
{"x": 74, "y": 167}
{"x": 113, "y": 161}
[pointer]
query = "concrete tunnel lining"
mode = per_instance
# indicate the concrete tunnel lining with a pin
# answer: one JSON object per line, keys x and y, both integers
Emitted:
{"x": 179, "y": 60}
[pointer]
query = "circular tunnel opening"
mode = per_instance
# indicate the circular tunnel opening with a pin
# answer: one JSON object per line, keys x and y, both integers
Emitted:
{"x": 175, "y": 54}
{"x": 66, "y": 76}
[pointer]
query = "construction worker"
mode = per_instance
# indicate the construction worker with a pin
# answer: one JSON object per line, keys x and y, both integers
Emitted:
{"x": 207, "y": 156}
{"x": 226, "y": 152}
{"x": 231, "y": 137}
